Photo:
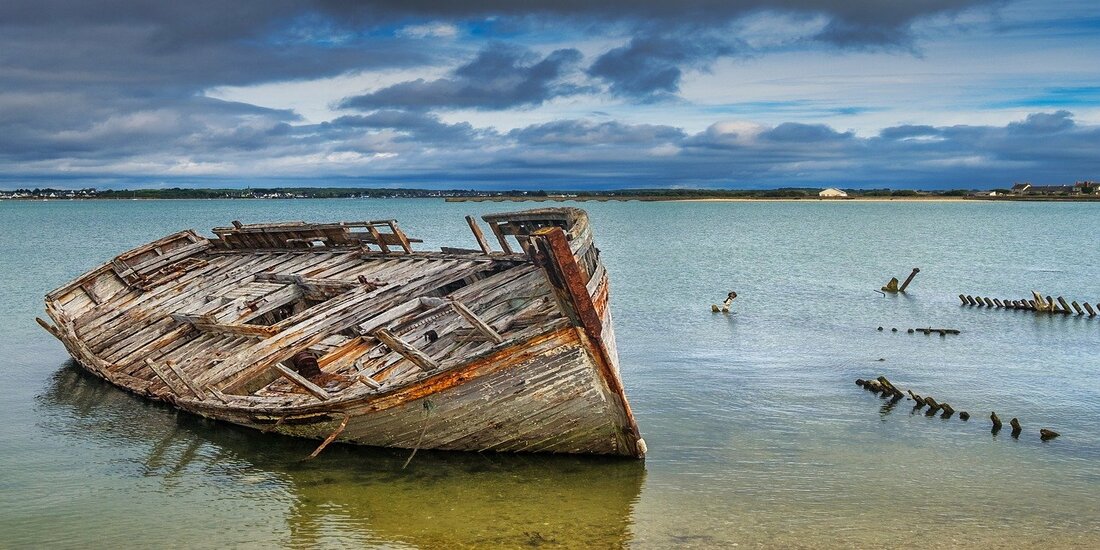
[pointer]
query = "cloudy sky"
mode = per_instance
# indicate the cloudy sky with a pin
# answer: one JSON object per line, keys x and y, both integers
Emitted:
{"x": 562, "y": 94}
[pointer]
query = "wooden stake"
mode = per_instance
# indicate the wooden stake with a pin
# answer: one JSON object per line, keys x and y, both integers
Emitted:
{"x": 909, "y": 279}
{"x": 1065, "y": 306}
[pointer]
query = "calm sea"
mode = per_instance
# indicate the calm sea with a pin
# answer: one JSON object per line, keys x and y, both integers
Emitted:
{"x": 757, "y": 434}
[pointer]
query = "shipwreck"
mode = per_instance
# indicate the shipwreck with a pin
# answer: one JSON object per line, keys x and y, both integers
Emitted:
{"x": 342, "y": 332}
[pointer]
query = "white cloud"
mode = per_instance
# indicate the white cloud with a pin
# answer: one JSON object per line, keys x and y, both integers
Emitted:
{"x": 429, "y": 30}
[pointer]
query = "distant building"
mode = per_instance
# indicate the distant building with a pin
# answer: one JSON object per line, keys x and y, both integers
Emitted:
{"x": 1052, "y": 190}
{"x": 1021, "y": 188}
{"x": 832, "y": 192}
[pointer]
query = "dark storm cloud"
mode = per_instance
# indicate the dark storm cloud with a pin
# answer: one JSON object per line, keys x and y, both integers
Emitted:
{"x": 105, "y": 85}
{"x": 613, "y": 154}
{"x": 500, "y": 77}
{"x": 859, "y": 20}
{"x": 1044, "y": 123}
{"x": 804, "y": 133}
{"x": 649, "y": 67}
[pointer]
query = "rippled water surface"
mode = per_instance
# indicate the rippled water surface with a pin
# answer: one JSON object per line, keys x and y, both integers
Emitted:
{"x": 756, "y": 433}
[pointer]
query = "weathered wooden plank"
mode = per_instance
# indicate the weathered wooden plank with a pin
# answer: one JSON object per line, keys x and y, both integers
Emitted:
{"x": 302, "y": 382}
{"x": 186, "y": 380}
{"x": 407, "y": 350}
{"x": 206, "y": 323}
{"x": 476, "y": 322}
{"x": 481, "y": 242}
{"x": 501, "y": 238}
{"x": 332, "y": 316}
{"x": 368, "y": 381}
{"x": 172, "y": 384}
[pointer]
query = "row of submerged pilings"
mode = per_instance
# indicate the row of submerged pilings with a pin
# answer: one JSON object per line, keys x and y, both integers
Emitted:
{"x": 886, "y": 390}
{"x": 1037, "y": 303}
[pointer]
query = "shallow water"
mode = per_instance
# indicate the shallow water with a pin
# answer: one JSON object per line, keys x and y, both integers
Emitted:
{"x": 756, "y": 433}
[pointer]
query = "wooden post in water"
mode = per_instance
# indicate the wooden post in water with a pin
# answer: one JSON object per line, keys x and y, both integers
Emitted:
{"x": 988, "y": 302}
{"x": 909, "y": 279}
{"x": 962, "y": 298}
{"x": 1088, "y": 308}
{"x": 1077, "y": 307}
{"x": 997, "y": 302}
{"x": 1039, "y": 305}
{"x": 1065, "y": 306}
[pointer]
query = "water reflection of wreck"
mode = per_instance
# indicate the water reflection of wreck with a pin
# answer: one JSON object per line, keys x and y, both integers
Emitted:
{"x": 340, "y": 331}
{"x": 360, "y": 495}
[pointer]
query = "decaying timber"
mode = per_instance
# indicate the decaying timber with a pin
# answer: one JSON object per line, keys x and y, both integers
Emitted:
{"x": 341, "y": 332}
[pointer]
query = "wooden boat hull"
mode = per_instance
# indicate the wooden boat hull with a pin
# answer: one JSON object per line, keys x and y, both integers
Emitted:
{"x": 554, "y": 387}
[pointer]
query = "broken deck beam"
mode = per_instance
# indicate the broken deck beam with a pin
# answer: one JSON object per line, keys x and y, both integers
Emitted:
{"x": 406, "y": 350}
{"x": 206, "y": 323}
{"x": 476, "y": 322}
{"x": 481, "y": 242}
{"x": 187, "y": 380}
{"x": 302, "y": 382}
{"x": 172, "y": 385}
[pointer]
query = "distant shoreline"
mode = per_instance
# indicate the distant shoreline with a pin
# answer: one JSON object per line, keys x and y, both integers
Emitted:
{"x": 588, "y": 199}
{"x": 469, "y": 195}
{"x": 930, "y": 198}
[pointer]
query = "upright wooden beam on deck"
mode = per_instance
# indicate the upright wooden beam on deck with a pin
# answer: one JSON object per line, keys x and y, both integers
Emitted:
{"x": 407, "y": 350}
{"x": 401, "y": 238}
{"x": 481, "y": 242}
{"x": 378, "y": 240}
{"x": 500, "y": 237}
